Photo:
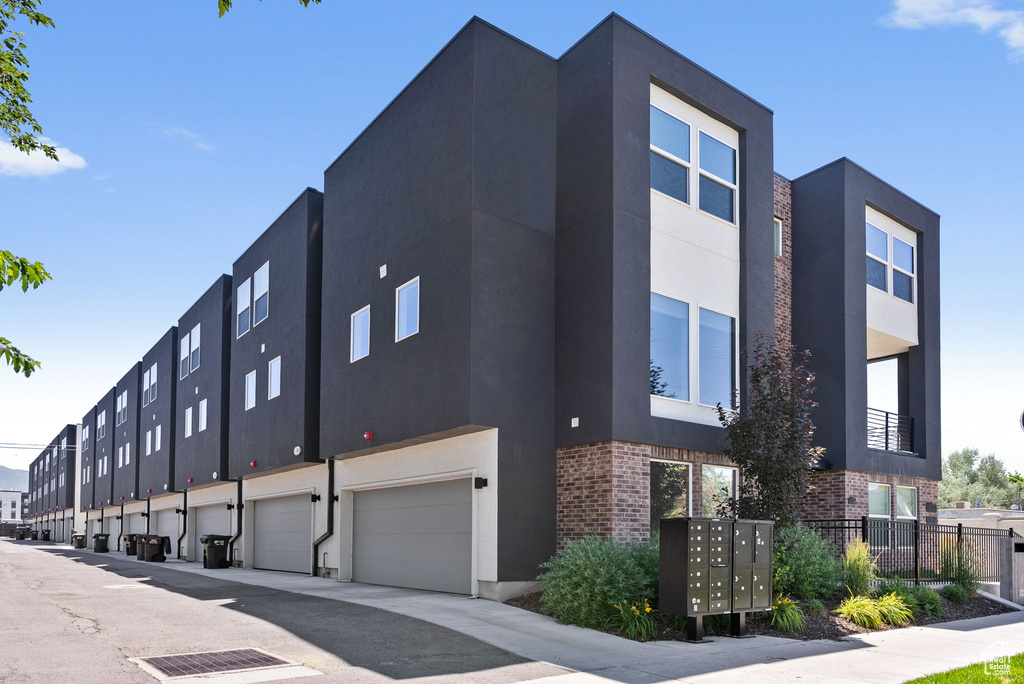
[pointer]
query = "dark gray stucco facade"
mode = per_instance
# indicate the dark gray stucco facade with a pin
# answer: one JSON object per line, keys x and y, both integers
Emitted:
{"x": 125, "y": 485}
{"x": 66, "y": 475}
{"x": 86, "y": 464}
{"x": 156, "y": 470}
{"x": 830, "y": 316}
{"x": 103, "y": 486}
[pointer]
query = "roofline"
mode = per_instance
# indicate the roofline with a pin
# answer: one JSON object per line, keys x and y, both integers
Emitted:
{"x": 271, "y": 225}
{"x": 857, "y": 166}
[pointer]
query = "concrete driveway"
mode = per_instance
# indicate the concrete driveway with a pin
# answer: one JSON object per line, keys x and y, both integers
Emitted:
{"x": 82, "y": 615}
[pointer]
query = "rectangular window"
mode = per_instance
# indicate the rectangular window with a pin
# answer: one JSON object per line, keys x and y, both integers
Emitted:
{"x": 156, "y": 438}
{"x": 152, "y": 384}
{"x": 250, "y": 390}
{"x": 718, "y": 486}
{"x": 670, "y": 347}
{"x": 359, "y": 335}
{"x": 261, "y": 294}
{"x": 101, "y": 425}
{"x": 669, "y": 178}
{"x": 670, "y": 155}
{"x": 906, "y": 513}
{"x": 878, "y": 257}
{"x": 85, "y": 438}
{"x": 194, "y": 339}
{"x": 902, "y": 270}
{"x": 717, "y": 178}
{"x": 880, "y": 512}
{"x": 183, "y": 356}
{"x": 149, "y": 442}
{"x": 128, "y": 453}
{"x": 63, "y": 448}
{"x": 188, "y": 422}
{"x": 121, "y": 413}
{"x": 670, "y": 491}
{"x": 120, "y": 457}
{"x": 242, "y": 296}
{"x": 274, "y": 378}
{"x": 778, "y": 237}
{"x": 202, "y": 415}
{"x": 407, "y": 309}
{"x": 717, "y": 366}
{"x": 145, "y": 390}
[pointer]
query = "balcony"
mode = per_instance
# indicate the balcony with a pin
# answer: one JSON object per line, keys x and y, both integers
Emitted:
{"x": 890, "y": 431}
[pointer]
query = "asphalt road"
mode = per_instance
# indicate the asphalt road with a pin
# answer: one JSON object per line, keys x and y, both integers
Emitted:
{"x": 77, "y": 617}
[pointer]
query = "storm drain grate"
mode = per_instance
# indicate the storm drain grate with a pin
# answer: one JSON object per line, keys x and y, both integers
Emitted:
{"x": 215, "y": 661}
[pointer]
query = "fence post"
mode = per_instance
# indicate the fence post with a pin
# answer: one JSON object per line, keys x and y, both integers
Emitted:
{"x": 886, "y": 430}
{"x": 864, "y": 529}
{"x": 917, "y": 552}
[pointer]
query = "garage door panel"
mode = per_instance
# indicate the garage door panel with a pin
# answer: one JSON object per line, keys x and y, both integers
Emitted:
{"x": 165, "y": 523}
{"x": 439, "y": 548}
{"x": 213, "y": 519}
{"x": 448, "y": 577}
{"x": 283, "y": 533}
{"x": 439, "y": 519}
{"x": 413, "y": 496}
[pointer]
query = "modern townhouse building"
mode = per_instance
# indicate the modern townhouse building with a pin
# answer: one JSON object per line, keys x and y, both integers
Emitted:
{"x": 10, "y": 506}
{"x": 432, "y": 374}
{"x": 64, "y": 483}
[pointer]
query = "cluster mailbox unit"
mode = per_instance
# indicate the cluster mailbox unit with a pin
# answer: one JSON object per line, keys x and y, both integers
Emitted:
{"x": 712, "y": 566}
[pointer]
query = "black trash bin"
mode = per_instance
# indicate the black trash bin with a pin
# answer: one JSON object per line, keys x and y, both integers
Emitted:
{"x": 19, "y": 534}
{"x": 35, "y": 535}
{"x": 154, "y": 547}
{"x": 130, "y": 547}
{"x": 215, "y": 550}
{"x": 46, "y": 535}
{"x": 78, "y": 541}
{"x": 99, "y": 542}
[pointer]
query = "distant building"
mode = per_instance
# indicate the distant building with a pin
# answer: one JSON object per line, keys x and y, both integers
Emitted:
{"x": 12, "y": 505}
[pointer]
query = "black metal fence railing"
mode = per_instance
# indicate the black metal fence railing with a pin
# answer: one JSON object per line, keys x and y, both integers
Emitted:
{"x": 890, "y": 431}
{"x": 919, "y": 552}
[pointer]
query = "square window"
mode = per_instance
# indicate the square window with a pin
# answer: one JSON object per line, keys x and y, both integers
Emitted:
{"x": 717, "y": 363}
{"x": 194, "y": 340}
{"x": 274, "y": 378}
{"x": 670, "y": 347}
{"x": 250, "y": 390}
{"x": 202, "y": 415}
{"x": 718, "y": 487}
{"x": 359, "y": 336}
{"x": 242, "y": 296}
{"x": 670, "y": 134}
{"x": 188, "y": 422}
{"x": 669, "y": 177}
{"x": 261, "y": 293}
{"x": 670, "y": 492}
{"x": 407, "y": 310}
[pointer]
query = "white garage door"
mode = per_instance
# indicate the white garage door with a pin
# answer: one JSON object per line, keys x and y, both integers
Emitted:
{"x": 214, "y": 519}
{"x": 283, "y": 534}
{"x": 135, "y": 524}
{"x": 419, "y": 536}
{"x": 165, "y": 524}
{"x": 66, "y": 531}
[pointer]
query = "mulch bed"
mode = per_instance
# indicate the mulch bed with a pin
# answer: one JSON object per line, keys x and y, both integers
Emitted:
{"x": 819, "y": 626}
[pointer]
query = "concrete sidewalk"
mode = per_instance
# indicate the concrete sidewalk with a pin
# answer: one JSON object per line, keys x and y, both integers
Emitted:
{"x": 891, "y": 656}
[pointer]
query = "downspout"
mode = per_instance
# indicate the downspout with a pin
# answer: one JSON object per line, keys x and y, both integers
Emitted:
{"x": 120, "y": 532}
{"x": 238, "y": 524}
{"x": 330, "y": 516}
{"x": 149, "y": 508}
{"x": 184, "y": 522}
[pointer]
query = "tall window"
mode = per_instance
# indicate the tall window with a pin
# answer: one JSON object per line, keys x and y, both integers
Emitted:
{"x": 906, "y": 511}
{"x": 101, "y": 425}
{"x": 85, "y": 437}
{"x": 670, "y": 347}
{"x": 274, "y": 378}
{"x": 670, "y": 155}
{"x": 878, "y": 257}
{"x": 149, "y": 442}
{"x": 670, "y": 491}
{"x": 120, "y": 456}
{"x": 242, "y": 296}
{"x": 879, "y": 512}
{"x": 777, "y": 227}
{"x": 250, "y": 390}
{"x": 407, "y": 309}
{"x": 183, "y": 356}
{"x": 359, "y": 335}
{"x": 717, "y": 358}
{"x": 188, "y": 422}
{"x": 63, "y": 448}
{"x": 202, "y": 415}
{"x": 122, "y": 408}
{"x": 261, "y": 293}
{"x": 718, "y": 486}
{"x": 128, "y": 453}
{"x": 156, "y": 438}
{"x": 188, "y": 356}
{"x": 902, "y": 270}
{"x": 717, "y": 178}
{"x": 149, "y": 386}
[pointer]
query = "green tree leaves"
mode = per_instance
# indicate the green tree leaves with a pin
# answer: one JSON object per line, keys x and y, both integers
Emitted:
{"x": 966, "y": 476}
{"x": 15, "y": 269}
{"x": 224, "y": 6}
{"x": 16, "y": 120}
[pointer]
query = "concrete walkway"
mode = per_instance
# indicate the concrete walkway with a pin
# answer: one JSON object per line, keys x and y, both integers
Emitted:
{"x": 891, "y": 656}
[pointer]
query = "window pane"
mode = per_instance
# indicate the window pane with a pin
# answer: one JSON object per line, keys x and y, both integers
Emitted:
{"x": 717, "y": 358}
{"x": 668, "y": 177}
{"x": 670, "y": 134}
{"x": 718, "y": 485}
{"x": 261, "y": 280}
{"x": 360, "y": 335}
{"x": 156, "y": 438}
{"x": 188, "y": 422}
{"x": 878, "y": 242}
{"x": 194, "y": 346}
{"x": 716, "y": 199}
{"x": 274, "y": 380}
{"x": 183, "y": 356}
{"x": 906, "y": 502}
{"x": 878, "y": 499}
{"x": 778, "y": 237}
{"x": 409, "y": 310}
{"x": 717, "y": 158}
{"x": 903, "y": 286}
{"x": 669, "y": 492}
{"x": 876, "y": 274}
{"x": 202, "y": 415}
{"x": 152, "y": 390}
{"x": 261, "y": 310}
{"x": 902, "y": 255}
{"x": 242, "y": 298}
{"x": 250, "y": 390}
{"x": 243, "y": 322}
{"x": 670, "y": 347}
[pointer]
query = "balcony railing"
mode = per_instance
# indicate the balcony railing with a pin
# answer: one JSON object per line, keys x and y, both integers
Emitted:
{"x": 890, "y": 431}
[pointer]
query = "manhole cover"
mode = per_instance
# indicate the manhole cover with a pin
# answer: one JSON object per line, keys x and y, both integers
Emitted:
{"x": 190, "y": 664}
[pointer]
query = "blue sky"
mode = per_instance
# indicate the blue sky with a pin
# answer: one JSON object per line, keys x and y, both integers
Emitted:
{"x": 180, "y": 126}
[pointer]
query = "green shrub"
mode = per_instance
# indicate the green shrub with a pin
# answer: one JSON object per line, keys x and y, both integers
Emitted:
{"x": 806, "y": 565}
{"x": 898, "y": 586}
{"x": 786, "y": 615}
{"x": 814, "y": 606}
{"x": 928, "y": 601}
{"x": 954, "y": 593}
{"x": 893, "y": 610}
{"x": 584, "y": 581}
{"x": 858, "y": 568}
{"x": 957, "y": 562}
{"x": 860, "y": 610}
{"x": 634, "y": 621}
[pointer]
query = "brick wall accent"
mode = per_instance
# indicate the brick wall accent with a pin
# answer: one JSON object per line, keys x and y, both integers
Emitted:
{"x": 784, "y": 263}
{"x": 831, "y": 491}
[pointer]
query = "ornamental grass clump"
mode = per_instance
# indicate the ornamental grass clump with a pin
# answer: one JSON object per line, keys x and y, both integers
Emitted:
{"x": 786, "y": 615}
{"x": 957, "y": 562}
{"x": 860, "y": 610}
{"x": 634, "y": 620}
{"x": 858, "y": 568}
{"x": 894, "y": 610}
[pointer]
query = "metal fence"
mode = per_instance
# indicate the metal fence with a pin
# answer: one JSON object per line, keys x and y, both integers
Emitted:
{"x": 919, "y": 552}
{"x": 890, "y": 431}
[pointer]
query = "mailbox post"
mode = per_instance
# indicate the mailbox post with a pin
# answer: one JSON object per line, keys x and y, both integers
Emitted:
{"x": 711, "y": 566}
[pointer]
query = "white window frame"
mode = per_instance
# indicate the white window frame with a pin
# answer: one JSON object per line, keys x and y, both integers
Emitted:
{"x": 352, "y": 358}
{"x": 85, "y": 437}
{"x": 243, "y": 306}
{"x": 735, "y": 353}
{"x": 149, "y": 442}
{"x": 677, "y": 160}
{"x": 120, "y": 457}
{"x": 202, "y": 415}
{"x": 900, "y": 534}
{"x": 690, "y": 375}
{"x": 127, "y": 453}
{"x": 894, "y": 268}
{"x": 256, "y": 295}
{"x": 145, "y": 389}
{"x": 183, "y": 357}
{"x": 250, "y": 397}
{"x": 777, "y": 234}
{"x": 156, "y": 437}
{"x": 101, "y": 425}
{"x": 152, "y": 383}
{"x": 701, "y": 172}
{"x": 878, "y": 516}
{"x": 398, "y": 290}
{"x": 195, "y": 337}
{"x": 188, "y": 422}
{"x": 735, "y": 480}
{"x": 273, "y": 369}
{"x": 63, "y": 448}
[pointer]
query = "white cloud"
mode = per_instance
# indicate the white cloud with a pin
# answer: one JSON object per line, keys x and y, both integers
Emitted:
{"x": 981, "y": 14}
{"x": 14, "y": 162}
{"x": 191, "y": 136}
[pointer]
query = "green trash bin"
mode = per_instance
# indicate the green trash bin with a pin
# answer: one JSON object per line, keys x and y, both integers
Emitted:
{"x": 215, "y": 550}
{"x": 78, "y": 541}
{"x": 99, "y": 542}
{"x": 46, "y": 535}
